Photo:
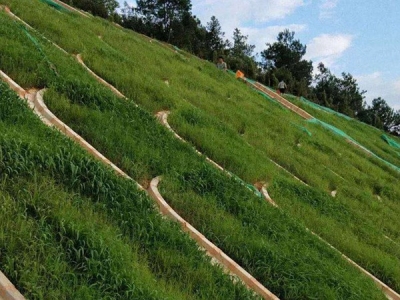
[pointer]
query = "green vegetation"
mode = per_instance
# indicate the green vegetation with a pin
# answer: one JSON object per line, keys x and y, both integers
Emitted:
{"x": 71, "y": 229}
{"x": 236, "y": 127}
{"x": 55, "y": 5}
{"x": 366, "y": 135}
{"x": 173, "y": 22}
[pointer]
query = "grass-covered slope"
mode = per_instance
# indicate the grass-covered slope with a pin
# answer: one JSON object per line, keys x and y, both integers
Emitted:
{"x": 370, "y": 137}
{"x": 71, "y": 229}
{"x": 236, "y": 127}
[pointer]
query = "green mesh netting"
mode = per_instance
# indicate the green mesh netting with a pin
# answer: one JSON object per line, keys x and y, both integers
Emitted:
{"x": 327, "y": 109}
{"x": 331, "y": 128}
{"x": 39, "y": 48}
{"x": 179, "y": 52}
{"x": 258, "y": 91}
{"x": 248, "y": 186}
{"x": 251, "y": 81}
{"x": 390, "y": 141}
{"x": 55, "y": 5}
{"x": 267, "y": 97}
{"x": 320, "y": 107}
{"x": 302, "y": 128}
{"x": 344, "y": 135}
{"x": 328, "y": 126}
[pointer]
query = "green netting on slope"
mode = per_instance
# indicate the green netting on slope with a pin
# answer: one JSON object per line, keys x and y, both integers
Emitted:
{"x": 39, "y": 48}
{"x": 55, "y": 5}
{"x": 179, "y": 52}
{"x": 250, "y": 187}
{"x": 327, "y": 109}
{"x": 251, "y": 81}
{"x": 330, "y": 127}
{"x": 344, "y": 135}
{"x": 390, "y": 141}
{"x": 267, "y": 97}
{"x": 302, "y": 128}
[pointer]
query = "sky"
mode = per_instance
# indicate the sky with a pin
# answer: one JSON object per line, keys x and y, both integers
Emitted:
{"x": 359, "y": 37}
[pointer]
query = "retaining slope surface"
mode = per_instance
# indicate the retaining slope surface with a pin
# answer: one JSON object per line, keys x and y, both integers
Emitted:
{"x": 311, "y": 118}
{"x": 163, "y": 115}
{"x": 35, "y": 100}
{"x": 72, "y": 9}
{"x": 283, "y": 101}
{"x": 390, "y": 293}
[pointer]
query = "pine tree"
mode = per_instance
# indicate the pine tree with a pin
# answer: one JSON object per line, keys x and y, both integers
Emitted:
{"x": 214, "y": 38}
{"x": 162, "y": 13}
{"x": 287, "y": 53}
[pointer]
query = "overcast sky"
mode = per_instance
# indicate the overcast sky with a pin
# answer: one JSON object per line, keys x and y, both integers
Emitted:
{"x": 359, "y": 37}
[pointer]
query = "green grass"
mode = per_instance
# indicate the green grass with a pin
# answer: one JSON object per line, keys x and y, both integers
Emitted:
{"x": 57, "y": 247}
{"x": 71, "y": 229}
{"x": 368, "y": 136}
{"x": 240, "y": 130}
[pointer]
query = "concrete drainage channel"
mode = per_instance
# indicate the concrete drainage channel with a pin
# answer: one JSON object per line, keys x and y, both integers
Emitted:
{"x": 266, "y": 91}
{"x": 72, "y": 9}
{"x": 213, "y": 251}
{"x": 35, "y": 101}
{"x": 283, "y": 101}
{"x": 390, "y": 294}
{"x": 8, "y": 290}
{"x": 101, "y": 80}
{"x": 163, "y": 117}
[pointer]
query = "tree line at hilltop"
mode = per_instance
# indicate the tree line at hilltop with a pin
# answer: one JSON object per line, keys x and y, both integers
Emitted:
{"x": 172, "y": 21}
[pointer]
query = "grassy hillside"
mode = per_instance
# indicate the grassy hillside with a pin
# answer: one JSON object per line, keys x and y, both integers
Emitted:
{"x": 71, "y": 229}
{"x": 236, "y": 127}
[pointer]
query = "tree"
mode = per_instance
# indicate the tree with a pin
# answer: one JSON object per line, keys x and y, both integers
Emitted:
{"x": 287, "y": 53}
{"x": 101, "y": 8}
{"x": 162, "y": 14}
{"x": 395, "y": 128}
{"x": 283, "y": 53}
{"x": 351, "y": 95}
{"x": 240, "y": 55}
{"x": 340, "y": 94}
{"x": 189, "y": 35}
{"x": 240, "y": 47}
{"x": 214, "y": 38}
{"x": 111, "y": 6}
{"x": 167, "y": 20}
{"x": 381, "y": 115}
